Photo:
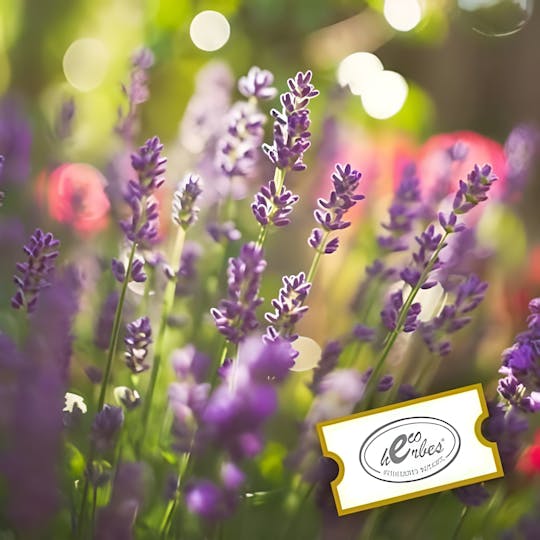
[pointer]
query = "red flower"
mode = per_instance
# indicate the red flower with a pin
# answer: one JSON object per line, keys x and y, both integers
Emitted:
{"x": 529, "y": 462}
{"x": 75, "y": 194}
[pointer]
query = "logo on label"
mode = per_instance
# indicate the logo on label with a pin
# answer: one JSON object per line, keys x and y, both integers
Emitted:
{"x": 410, "y": 449}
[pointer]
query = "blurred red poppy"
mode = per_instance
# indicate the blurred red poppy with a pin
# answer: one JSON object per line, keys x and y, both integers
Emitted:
{"x": 529, "y": 462}
{"x": 75, "y": 194}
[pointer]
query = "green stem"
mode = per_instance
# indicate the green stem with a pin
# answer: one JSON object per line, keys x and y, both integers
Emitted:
{"x": 279, "y": 179}
{"x": 459, "y": 526}
{"x": 168, "y": 302}
{"x": 116, "y": 330}
{"x": 292, "y": 521}
{"x": 317, "y": 258}
{"x": 392, "y": 336}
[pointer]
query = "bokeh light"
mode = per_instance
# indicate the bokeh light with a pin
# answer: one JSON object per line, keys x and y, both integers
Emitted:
{"x": 85, "y": 63}
{"x": 309, "y": 354}
{"x": 209, "y": 30}
{"x": 497, "y": 18}
{"x": 403, "y": 15}
{"x": 385, "y": 94}
{"x": 356, "y": 70}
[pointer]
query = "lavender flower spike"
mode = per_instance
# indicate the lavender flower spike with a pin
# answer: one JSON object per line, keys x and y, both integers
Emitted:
{"x": 289, "y": 307}
{"x": 36, "y": 272}
{"x": 235, "y": 316}
{"x": 331, "y": 212}
{"x": 149, "y": 166}
{"x": 138, "y": 337}
{"x": 270, "y": 207}
{"x": 106, "y": 427}
{"x": 291, "y": 125}
{"x": 184, "y": 212}
{"x": 257, "y": 84}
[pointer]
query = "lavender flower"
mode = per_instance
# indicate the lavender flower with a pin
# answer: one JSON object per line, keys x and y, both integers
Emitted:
{"x": 520, "y": 386}
{"x": 184, "y": 212}
{"x": 136, "y": 92}
{"x": 35, "y": 273}
{"x": 270, "y": 207}
{"x": 474, "y": 190}
{"x": 149, "y": 166}
{"x": 257, "y": 84}
{"x": 237, "y": 149}
{"x": 402, "y": 212}
{"x": 106, "y": 427}
{"x": 137, "y": 271}
{"x": 291, "y": 125}
{"x": 116, "y": 520}
{"x": 235, "y": 316}
{"x": 453, "y": 317}
{"x": 473, "y": 495}
{"x": 119, "y": 270}
{"x": 363, "y": 333}
{"x": 205, "y": 499}
{"x": 102, "y": 334}
{"x": 223, "y": 231}
{"x": 138, "y": 338}
{"x": 331, "y": 212}
{"x": 391, "y": 312}
{"x": 329, "y": 360}
{"x": 289, "y": 307}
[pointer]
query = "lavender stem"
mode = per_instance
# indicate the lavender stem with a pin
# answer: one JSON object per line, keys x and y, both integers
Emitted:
{"x": 168, "y": 302}
{"x": 116, "y": 330}
{"x": 316, "y": 258}
{"x": 279, "y": 179}
{"x": 392, "y": 336}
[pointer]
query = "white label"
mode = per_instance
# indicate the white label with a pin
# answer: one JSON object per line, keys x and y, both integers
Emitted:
{"x": 410, "y": 449}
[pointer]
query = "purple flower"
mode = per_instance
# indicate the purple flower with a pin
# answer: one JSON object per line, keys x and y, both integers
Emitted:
{"x": 184, "y": 212}
{"x": 238, "y": 148}
{"x": 235, "y": 316}
{"x": 35, "y": 273}
{"x": 391, "y": 313}
{"x": 106, "y": 426}
{"x": 270, "y": 207}
{"x": 116, "y": 520}
{"x": 474, "y": 190}
{"x": 149, "y": 166}
{"x": 289, "y": 306}
{"x": 136, "y": 92}
{"x": 138, "y": 338}
{"x": 402, "y": 212}
{"x": 331, "y": 212}
{"x": 363, "y": 333}
{"x": 205, "y": 499}
{"x": 223, "y": 231}
{"x": 102, "y": 334}
{"x": 329, "y": 360}
{"x": 453, "y": 317}
{"x": 137, "y": 271}
{"x": 257, "y": 84}
{"x": 291, "y": 125}
{"x": 119, "y": 270}
{"x": 473, "y": 495}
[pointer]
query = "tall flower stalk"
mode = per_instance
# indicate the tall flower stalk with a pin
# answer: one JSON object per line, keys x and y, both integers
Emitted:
{"x": 426, "y": 259}
{"x": 184, "y": 214}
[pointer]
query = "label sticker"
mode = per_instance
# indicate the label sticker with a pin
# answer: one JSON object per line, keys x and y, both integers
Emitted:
{"x": 410, "y": 449}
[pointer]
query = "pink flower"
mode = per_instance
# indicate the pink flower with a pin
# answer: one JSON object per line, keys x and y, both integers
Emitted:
{"x": 75, "y": 194}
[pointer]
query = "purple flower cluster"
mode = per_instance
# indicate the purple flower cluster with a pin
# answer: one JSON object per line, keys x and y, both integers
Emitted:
{"x": 291, "y": 125}
{"x": 136, "y": 92}
{"x": 106, "y": 427}
{"x": 235, "y": 316}
{"x": 289, "y": 307}
{"x": 137, "y": 339}
{"x": 428, "y": 243}
{"x": 269, "y": 206}
{"x": 455, "y": 316}
{"x": 520, "y": 385}
{"x": 184, "y": 212}
{"x": 35, "y": 273}
{"x": 257, "y": 84}
{"x": 223, "y": 231}
{"x": 402, "y": 212}
{"x": 391, "y": 312}
{"x": 149, "y": 166}
{"x": 237, "y": 149}
{"x": 102, "y": 334}
{"x": 331, "y": 212}
{"x": 137, "y": 270}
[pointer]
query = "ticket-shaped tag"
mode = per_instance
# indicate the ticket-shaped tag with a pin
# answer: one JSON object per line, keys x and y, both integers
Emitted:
{"x": 410, "y": 449}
